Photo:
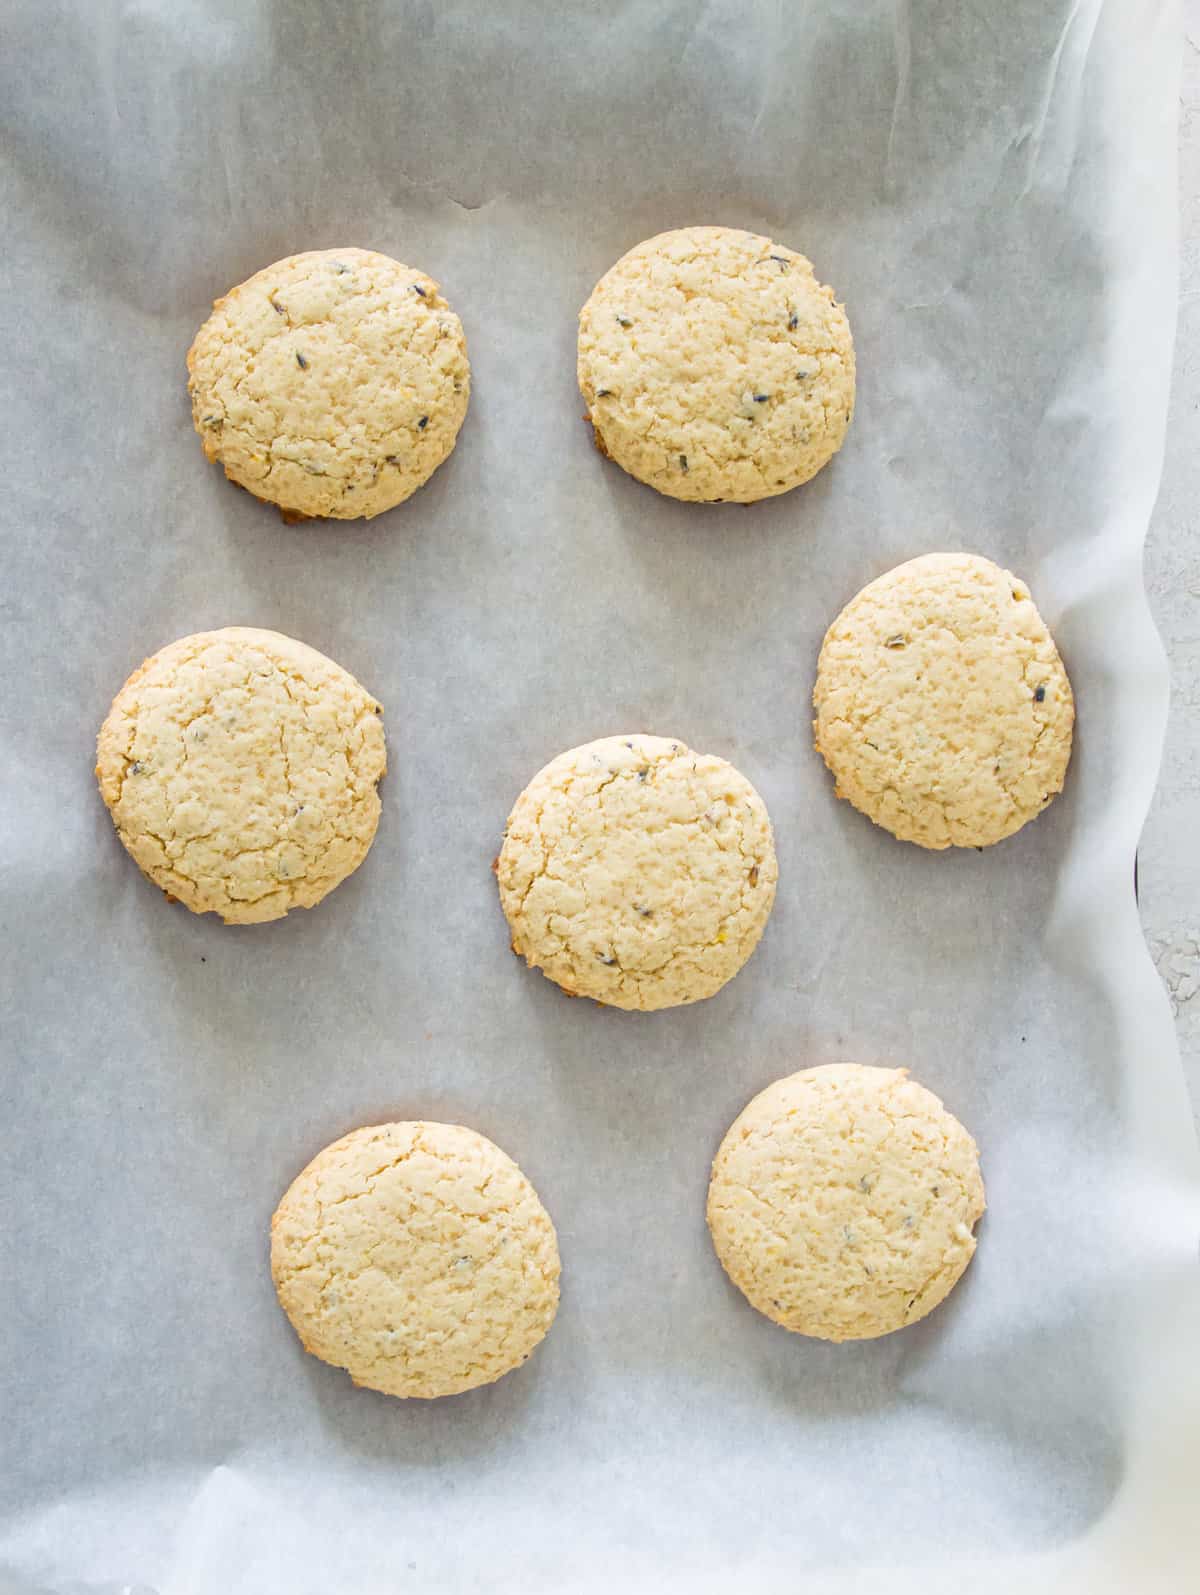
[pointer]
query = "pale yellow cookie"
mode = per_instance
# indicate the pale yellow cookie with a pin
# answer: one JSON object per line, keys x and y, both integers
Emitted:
{"x": 417, "y": 1257}
{"x": 637, "y": 872}
{"x": 240, "y": 768}
{"x": 942, "y": 706}
{"x": 332, "y": 384}
{"x": 715, "y": 366}
{"x": 843, "y": 1200}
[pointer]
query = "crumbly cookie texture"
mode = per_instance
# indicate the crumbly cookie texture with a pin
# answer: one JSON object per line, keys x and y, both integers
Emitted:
{"x": 942, "y": 706}
{"x": 240, "y": 768}
{"x": 843, "y": 1201}
{"x": 715, "y": 366}
{"x": 332, "y": 384}
{"x": 417, "y": 1257}
{"x": 637, "y": 872}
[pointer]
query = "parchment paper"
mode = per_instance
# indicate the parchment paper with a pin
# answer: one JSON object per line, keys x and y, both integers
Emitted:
{"x": 991, "y": 190}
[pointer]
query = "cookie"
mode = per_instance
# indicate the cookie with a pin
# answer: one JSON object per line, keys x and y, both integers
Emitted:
{"x": 843, "y": 1200}
{"x": 637, "y": 872}
{"x": 417, "y": 1257}
{"x": 240, "y": 769}
{"x": 332, "y": 384}
{"x": 715, "y": 366}
{"x": 942, "y": 706}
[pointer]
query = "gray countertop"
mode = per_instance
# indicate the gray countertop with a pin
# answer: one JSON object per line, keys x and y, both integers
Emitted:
{"x": 1169, "y": 858}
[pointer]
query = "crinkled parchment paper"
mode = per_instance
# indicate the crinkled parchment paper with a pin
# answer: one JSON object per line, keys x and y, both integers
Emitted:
{"x": 991, "y": 190}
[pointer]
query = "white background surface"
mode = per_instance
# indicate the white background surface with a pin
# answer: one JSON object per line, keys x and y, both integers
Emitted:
{"x": 1169, "y": 857}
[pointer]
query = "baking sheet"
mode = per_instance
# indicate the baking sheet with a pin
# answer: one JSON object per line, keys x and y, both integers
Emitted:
{"x": 992, "y": 193}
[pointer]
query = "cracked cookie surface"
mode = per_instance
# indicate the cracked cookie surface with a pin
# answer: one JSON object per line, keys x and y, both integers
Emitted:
{"x": 715, "y": 366}
{"x": 332, "y": 383}
{"x": 637, "y": 872}
{"x": 942, "y": 707}
{"x": 417, "y": 1257}
{"x": 843, "y": 1201}
{"x": 240, "y": 768}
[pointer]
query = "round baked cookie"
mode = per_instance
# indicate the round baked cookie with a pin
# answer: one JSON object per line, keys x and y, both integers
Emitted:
{"x": 942, "y": 706}
{"x": 843, "y": 1200}
{"x": 637, "y": 872}
{"x": 417, "y": 1257}
{"x": 715, "y": 366}
{"x": 240, "y": 768}
{"x": 332, "y": 384}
